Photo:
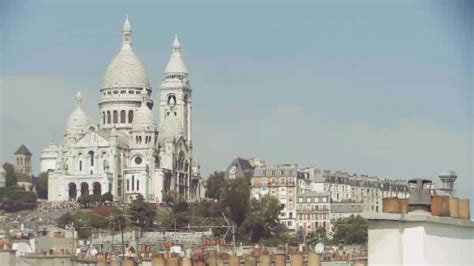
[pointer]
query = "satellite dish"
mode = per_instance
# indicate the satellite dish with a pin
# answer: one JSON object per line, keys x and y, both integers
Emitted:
{"x": 319, "y": 248}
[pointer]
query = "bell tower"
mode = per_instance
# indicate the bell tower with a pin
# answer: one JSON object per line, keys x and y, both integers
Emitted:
{"x": 175, "y": 99}
{"x": 23, "y": 160}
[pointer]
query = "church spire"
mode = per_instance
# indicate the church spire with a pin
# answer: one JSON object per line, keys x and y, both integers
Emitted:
{"x": 176, "y": 63}
{"x": 126, "y": 34}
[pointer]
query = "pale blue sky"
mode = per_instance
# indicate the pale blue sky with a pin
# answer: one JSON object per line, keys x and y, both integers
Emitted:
{"x": 378, "y": 88}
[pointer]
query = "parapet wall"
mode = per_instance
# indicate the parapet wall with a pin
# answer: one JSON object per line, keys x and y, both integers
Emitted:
{"x": 419, "y": 238}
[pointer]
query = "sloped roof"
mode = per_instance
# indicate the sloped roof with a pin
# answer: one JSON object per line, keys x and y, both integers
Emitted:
{"x": 23, "y": 150}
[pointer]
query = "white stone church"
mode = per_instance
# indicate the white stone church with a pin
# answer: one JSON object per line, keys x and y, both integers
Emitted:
{"x": 125, "y": 153}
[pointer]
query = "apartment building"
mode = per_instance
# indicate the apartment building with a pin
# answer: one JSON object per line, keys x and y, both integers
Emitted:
{"x": 278, "y": 181}
{"x": 313, "y": 213}
{"x": 345, "y": 209}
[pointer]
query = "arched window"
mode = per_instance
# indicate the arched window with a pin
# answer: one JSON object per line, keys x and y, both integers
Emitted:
{"x": 91, "y": 154}
{"x": 108, "y": 117}
{"x": 130, "y": 116}
{"x": 171, "y": 99}
{"x": 115, "y": 117}
{"x": 80, "y": 165}
{"x": 133, "y": 182}
{"x": 103, "y": 118}
{"x": 122, "y": 116}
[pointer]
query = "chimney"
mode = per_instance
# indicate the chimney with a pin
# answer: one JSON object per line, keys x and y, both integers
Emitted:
{"x": 420, "y": 195}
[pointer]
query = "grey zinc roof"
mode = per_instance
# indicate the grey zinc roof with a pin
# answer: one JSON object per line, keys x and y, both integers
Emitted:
{"x": 23, "y": 150}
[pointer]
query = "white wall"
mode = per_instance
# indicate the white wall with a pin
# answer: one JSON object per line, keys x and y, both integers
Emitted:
{"x": 401, "y": 240}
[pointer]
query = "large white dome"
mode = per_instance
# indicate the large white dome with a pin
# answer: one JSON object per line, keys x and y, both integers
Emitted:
{"x": 126, "y": 69}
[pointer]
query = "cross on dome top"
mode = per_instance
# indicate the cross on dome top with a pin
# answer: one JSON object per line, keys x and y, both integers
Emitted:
{"x": 176, "y": 44}
{"x": 79, "y": 99}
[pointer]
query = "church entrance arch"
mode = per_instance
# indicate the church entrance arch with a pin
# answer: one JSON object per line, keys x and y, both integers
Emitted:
{"x": 72, "y": 191}
{"x": 97, "y": 189}
{"x": 84, "y": 189}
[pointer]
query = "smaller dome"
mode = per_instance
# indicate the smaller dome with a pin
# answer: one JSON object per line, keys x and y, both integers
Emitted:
{"x": 78, "y": 120}
{"x": 144, "y": 119}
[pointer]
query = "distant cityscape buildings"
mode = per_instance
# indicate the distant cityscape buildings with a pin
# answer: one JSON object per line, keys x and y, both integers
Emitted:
{"x": 312, "y": 199}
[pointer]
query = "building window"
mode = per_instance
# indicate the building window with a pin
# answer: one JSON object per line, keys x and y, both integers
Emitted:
{"x": 133, "y": 182}
{"x": 130, "y": 116}
{"x": 108, "y": 117}
{"x": 80, "y": 165}
{"x": 103, "y": 118}
{"x": 122, "y": 116}
{"x": 91, "y": 154}
{"x": 115, "y": 117}
{"x": 128, "y": 185}
{"x": 138, "y": 184}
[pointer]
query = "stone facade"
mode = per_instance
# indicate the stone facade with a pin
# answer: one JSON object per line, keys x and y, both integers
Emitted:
{"x": 313, "y": 212}
{"x": 345, "y": 209}
{"x": 124, "y": 153}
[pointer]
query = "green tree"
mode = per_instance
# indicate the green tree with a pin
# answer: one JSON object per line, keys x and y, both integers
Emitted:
{"x": 65, "y": 220}
{"x": 262, "y": 218}
{"x": 235, "y": 196}
{"x": 15, "y": 198}
{"x": 142, "y": 214}
{"x": 42, "y": 185}
{"x": 107, "y": 197}
{"x": 10, "y": 175}
{"x": 214, "y": 185}
{"x": 85, "y": 200}
{"x": 350, "y": 230}
{"x": 117, "y": 219}
{"x": 170, "y": 197}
